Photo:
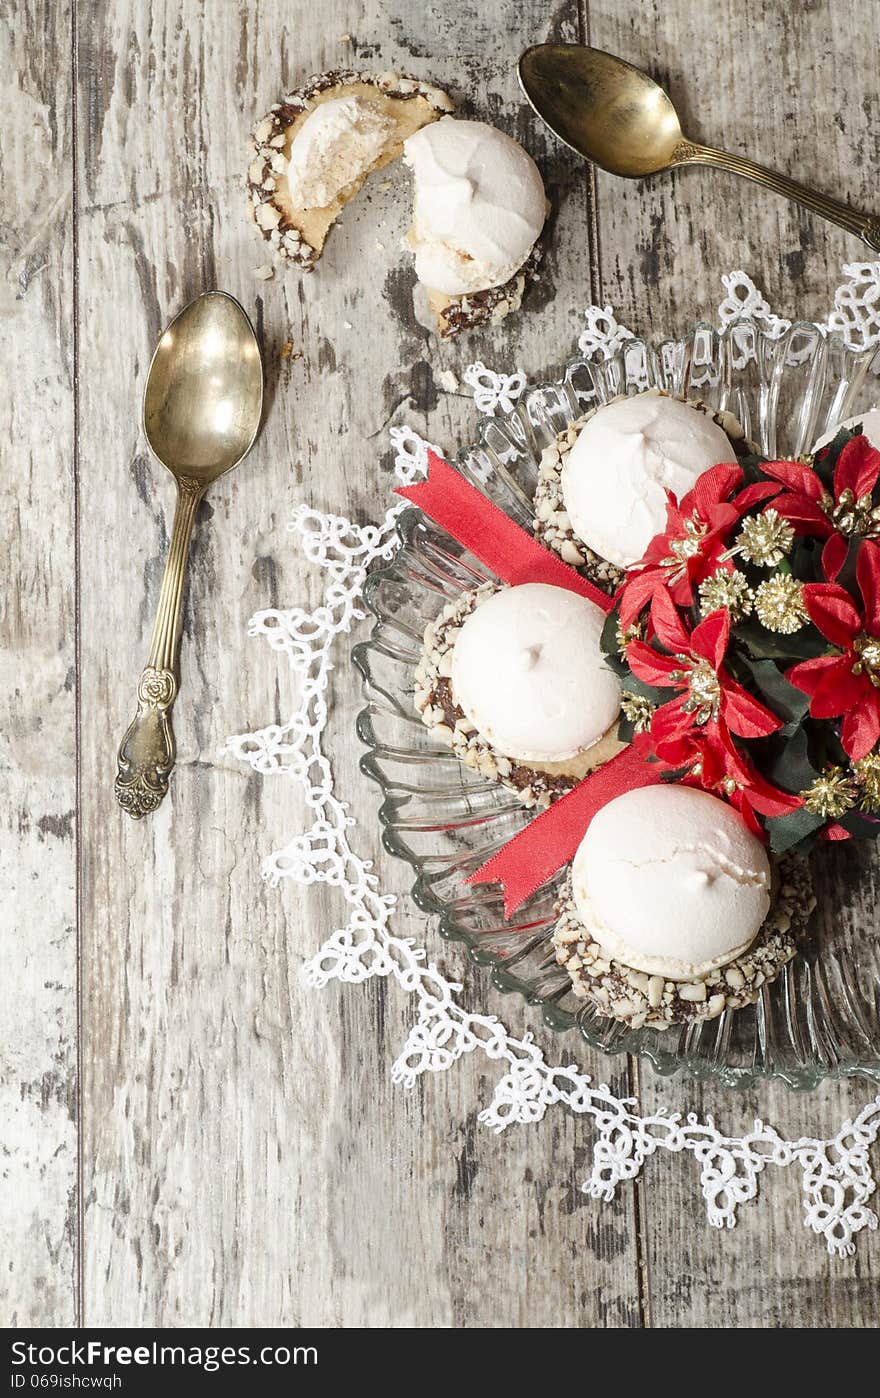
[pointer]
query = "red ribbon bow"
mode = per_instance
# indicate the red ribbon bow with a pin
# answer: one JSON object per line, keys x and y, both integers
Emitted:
{"x": 550, "y": 841}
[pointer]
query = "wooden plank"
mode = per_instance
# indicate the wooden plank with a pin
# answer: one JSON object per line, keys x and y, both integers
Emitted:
{"x": 247, "y": 1159}
{"x": 763, "y": 80}
{"x": 37, "y": 697}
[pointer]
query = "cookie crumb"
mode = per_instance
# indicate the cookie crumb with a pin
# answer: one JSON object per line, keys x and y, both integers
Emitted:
{"x": 264, "y": 273}
{"x": 448, "y": 381}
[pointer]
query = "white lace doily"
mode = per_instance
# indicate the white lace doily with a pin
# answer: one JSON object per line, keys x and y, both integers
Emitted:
{"x": 836, "y": 1171}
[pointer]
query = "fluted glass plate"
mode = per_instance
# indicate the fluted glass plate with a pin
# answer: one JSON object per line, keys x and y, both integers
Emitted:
{"x": 821, "y": 1018}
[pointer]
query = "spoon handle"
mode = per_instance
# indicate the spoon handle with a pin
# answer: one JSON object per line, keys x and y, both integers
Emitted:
{"x": 865, "y": 226}
{"x": 146, "y": 753}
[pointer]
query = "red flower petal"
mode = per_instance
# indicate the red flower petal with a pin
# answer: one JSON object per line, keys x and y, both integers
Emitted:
{"x": 670, "y": 723}
{"x": 809, "y": 674}
{"x": 740, "y": 801}
{"x": 834, "y": 556}
{"x": 709, "y": 639}
{"x": 839, "y": 691}
{"x": 668, "y": 624}
{"x": 649, "y": 665}
{"x": 833, "y": 831}
{"x": 832, "y": 609}
{"x": 858, "y": 467}
{"x": 800, "y": 479}
{"x": 804, "y": 515}
{"x": 861, "y": 726}
{"x": 756, "y": 494}
{"x": 868, "y": 575}
{"x": 636, "y": 593}
{"x": 713, "y": 486}
{"x": 743, "y": 714}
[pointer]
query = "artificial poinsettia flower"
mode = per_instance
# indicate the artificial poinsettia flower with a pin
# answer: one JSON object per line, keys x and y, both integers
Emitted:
{"x": 695, "y": 666}
{"x": 848, "y": 681}
{"x": 714, "y": 763}
{"x": 693, "y": 544}
{"x": 849, "y": 511}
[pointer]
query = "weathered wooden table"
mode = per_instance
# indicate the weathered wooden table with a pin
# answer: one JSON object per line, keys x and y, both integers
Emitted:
{"x": 188, "y": 1135}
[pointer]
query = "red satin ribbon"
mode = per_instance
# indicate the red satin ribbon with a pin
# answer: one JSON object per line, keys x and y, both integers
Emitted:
{"x": 540, "y": 850}
{"x": 490, "y": 535}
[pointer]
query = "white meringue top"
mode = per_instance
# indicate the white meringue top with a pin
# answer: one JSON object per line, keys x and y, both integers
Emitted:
{"x": 869, "y": 423}
{"x": 338, "y": 142}
{"x": 529, "y": 673}
{"x": 626, "y": 456}
{"x": 669, "y": 881}
{"x": 479, "y": 205}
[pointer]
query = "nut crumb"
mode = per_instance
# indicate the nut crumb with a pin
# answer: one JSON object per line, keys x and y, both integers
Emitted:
{"x": 448, "y": 381}
{"x": 264, "y": 273}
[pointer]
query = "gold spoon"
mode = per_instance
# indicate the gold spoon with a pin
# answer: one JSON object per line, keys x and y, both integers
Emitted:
{"x": 617, "y": 116}
{"x": 202, "y": 407}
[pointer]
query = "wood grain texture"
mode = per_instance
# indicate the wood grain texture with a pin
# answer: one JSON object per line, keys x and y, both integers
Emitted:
{"x": 38, "y": 1156}
{"x": 245, "y": 1158}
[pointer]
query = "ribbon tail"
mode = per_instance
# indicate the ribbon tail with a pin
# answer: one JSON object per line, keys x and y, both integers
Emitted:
{"x": 552, "y": 838}
{"x": 491, "y": 535}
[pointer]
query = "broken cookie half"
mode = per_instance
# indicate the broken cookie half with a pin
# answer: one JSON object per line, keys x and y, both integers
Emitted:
{"x": 312, "y": 152}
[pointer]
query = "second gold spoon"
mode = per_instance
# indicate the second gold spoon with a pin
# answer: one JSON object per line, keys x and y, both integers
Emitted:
{"x": 202, "y": 407}
{"x": 622, "y": 120}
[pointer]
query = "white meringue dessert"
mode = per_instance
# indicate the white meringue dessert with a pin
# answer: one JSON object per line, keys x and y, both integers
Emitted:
{"x": 313, "y": 151}
{"x": 478, "y": 210}
{"x": 670, "y": 882}
{"x": 528, "y": 671}
{"x": 627, "y": 455}
{"x": 513, "y": 679}
{"x": 868, "y": 421}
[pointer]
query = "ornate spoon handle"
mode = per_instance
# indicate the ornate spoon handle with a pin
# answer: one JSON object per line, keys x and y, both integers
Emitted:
{"x": 146, "y": 753}
{"x": 865, "y": 226}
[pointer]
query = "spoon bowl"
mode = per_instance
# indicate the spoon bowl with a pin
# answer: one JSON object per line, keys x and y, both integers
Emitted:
{"x": 204, "y": 393}
{"x": 605, "y": 109}
{"x": 619, "y": 118}
{"x": 202, "y": 408}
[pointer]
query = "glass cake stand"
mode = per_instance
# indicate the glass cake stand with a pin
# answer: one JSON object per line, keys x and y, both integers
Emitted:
{"x": 821, "y": 1018}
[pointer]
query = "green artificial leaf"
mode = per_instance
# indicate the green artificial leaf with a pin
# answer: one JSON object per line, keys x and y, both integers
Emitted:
{"x": 847, "y": 575}
{"x": 860, "y": 826}
{"x": 608, "y": 638}
{"x": 789, "y": 830}
{"x": 805, "y": 644}
{"x": 768, "y": 680}
{"x": 626, "y": 729}
{"x": 649, "y": 691}
{"x": 825, "y": 460}
{"x": 791, "y": 766}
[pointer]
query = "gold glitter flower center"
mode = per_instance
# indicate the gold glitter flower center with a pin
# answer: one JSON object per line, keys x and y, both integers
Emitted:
{"x": 779, "y": 604}
{"x": 831, "y": 795}
{"x": 687, "y": 547}
{"x": 867, "y": 649}
{"x": 853, "y": 516}
{"x": 764, "y": 539}
{"x": 867, "y": 774}
{"x": 704, "y": 688}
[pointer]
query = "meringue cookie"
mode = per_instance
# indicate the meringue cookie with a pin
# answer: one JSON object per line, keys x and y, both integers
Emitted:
{"x": 627, "y": 455}
{"x": 336, "y": 145}
{"x": 479, "y": 205}
{"x": 868, "y": 421}
{"x": 669, "y": 882}
{"x": 528, "y": 671}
